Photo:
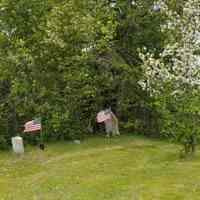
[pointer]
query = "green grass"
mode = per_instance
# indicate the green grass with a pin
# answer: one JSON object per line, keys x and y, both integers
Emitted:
{"x": 124, "y": 168}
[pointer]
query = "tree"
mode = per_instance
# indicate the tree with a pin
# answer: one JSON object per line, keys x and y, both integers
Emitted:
{"x": 46, "y": 47}
{"x": 66, "y": 60}
{"x": 173, "y": 77}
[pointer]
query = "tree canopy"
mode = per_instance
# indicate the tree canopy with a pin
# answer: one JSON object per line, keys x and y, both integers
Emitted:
{"x": 66, "y": 60}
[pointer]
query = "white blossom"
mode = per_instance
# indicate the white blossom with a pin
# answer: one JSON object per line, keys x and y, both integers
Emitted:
{"x": 182, "y": 66}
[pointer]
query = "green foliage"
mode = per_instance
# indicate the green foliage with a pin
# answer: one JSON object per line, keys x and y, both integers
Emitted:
{"x": 181, "y": 120}
{"x": 66, "y": 60}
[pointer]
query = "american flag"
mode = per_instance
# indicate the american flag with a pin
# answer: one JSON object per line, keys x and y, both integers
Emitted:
{"x": 34, "y": 125}
{"x": 103, "y": 116}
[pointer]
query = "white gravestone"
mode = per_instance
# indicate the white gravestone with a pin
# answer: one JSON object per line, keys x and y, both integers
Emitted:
{"x": 17, "y": 144}
{"x": 111, "y": 124}
{"x": 77, "y": 141}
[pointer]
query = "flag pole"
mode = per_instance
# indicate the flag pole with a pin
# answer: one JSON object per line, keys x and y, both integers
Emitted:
{"x": 41, "y": 136}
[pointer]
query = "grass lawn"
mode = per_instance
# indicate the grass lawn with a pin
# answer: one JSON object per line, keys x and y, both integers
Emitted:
{"x": 124, "y": 168}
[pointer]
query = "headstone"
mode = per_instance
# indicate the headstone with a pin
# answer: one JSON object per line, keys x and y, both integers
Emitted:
{"x": 77, "y": 141}
{"x": 17, "y": 144}
{"x": 111, "y": 125}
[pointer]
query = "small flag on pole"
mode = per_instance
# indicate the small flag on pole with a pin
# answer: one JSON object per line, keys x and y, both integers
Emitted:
{"x": 103, "y": 116}
{"x": 34, "y": 125}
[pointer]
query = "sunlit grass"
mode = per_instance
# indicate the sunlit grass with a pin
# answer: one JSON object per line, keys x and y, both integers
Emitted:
{"x": 124, "y": 168}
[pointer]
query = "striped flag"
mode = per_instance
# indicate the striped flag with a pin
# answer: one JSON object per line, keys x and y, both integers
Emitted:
{"x": 34, "y": 125}
{"x": 103, "y": 116}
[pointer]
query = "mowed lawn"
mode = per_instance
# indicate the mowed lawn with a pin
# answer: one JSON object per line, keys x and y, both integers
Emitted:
{"x": 123, "y": 168}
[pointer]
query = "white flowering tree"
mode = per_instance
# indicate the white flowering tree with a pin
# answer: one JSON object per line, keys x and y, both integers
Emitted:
{"x": 173, "y": 77}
